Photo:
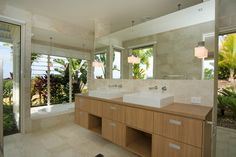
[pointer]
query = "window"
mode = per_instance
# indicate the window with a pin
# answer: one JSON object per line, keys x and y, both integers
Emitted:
{"x": 143, "y": 70}
{"x": 100, "y": 72}
{"x": 62, "y": 76}
{"x": 116, "y": 65}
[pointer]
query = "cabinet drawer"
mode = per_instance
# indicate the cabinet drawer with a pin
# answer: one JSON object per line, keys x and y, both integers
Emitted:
{"x": 83, "y": 104}
{"x": 91, "y": 106}
{"x": 140, "y": 118}
{"x": 113, "y": 131}
{"x": 163, "y": 147}
{"x": 114, "y": 112}
{"x": 182, "y": 129}
{"x": 95, "y": 107}
{"x": 81, "y": 118}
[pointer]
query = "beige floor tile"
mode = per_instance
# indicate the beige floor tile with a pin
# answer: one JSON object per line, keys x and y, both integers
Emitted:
{"x": 68, "y": 140}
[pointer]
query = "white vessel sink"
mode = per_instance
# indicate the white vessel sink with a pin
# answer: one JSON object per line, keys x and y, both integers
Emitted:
{"x": 106, "y": 94}
{"x": 153, "y": 99}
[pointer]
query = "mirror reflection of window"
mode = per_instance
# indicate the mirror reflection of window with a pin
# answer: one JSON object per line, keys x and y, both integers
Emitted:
{"x": 143, "y": 70}
{"x": 100, "y": 72}
{"x": 116, "y": 65}
{"x": 208, "y": 67}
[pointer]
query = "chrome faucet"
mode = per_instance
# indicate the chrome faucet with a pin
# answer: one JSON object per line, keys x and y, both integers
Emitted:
{"x": 153, "y": 88}
{"x": 115, "y": 86}
{"x": 163, "y": 89}
{"x": 112, "y": 86}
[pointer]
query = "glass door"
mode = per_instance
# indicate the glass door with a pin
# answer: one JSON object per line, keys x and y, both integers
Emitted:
{"x": 1, "y": 108}
{"x": 10, "y": 52}
{"x": 226, "y": 115}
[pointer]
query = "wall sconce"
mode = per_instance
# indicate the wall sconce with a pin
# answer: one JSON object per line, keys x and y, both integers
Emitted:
{"x": 97, "y": 64}
{"x": 133, "y": 59}
{"x": 200, "y": 50}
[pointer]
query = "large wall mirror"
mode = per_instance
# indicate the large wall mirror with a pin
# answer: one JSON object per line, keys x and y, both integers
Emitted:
{"x": 179, "y": 45}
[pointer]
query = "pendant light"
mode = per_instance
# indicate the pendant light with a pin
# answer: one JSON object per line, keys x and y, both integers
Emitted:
{"x": 200, "y": 50}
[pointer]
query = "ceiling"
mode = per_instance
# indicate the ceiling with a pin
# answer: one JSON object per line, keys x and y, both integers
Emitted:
{"x": 84, "y": 14}
{"x": 119, "y": 13}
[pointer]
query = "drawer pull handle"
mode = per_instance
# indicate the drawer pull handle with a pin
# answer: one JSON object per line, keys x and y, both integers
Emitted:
{"x": 175, "y": 122}
{"x": 113, "y": 108}
{"x": 113, "y": 124}
{"x": 174, "y": 146}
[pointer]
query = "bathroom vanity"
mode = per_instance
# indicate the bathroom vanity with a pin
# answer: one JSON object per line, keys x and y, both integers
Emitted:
{"x": 176, "y": 130}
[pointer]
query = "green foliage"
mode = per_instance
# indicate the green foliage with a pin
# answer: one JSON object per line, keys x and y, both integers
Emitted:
{"x": 227, "y": 56}
{"x": 59, "y": 89}
{"x": 227, "y": 100}
{"x": 8, "y": 90}
{"x": 39, "y": 87}
{"x": 208, "y": 74}
{"x": 9, "y": 123}
{"x": 34, "y": 56}
{"x": 143, "y": 54}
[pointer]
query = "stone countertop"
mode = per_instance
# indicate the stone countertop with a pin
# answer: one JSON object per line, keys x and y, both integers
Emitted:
{"x": 186, "y": 110}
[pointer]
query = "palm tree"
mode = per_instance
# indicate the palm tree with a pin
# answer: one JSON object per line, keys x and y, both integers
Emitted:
{"x": 143, "y": 54}
{"x": 227, "y": 55}
{"x": 78, "y": 70}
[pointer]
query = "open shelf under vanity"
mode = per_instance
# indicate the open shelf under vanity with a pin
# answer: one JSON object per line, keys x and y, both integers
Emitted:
{"x": 95, "y": 124}
{"x": 139, "y": 142}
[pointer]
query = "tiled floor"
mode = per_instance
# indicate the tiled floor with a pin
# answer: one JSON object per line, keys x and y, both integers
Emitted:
{"x": 68, "y": 140}
{"x": 226, "y": 142}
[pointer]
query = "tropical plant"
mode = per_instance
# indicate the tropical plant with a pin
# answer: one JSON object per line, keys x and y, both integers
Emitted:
{"x": 8, "y": 90}
{"x": 143, "y": 54}
{"x": 34, "y": 56}
{"x": 227, "y": 100}
{"x": 208, "y": 74}
{"x": 39, "y": 87}
{"x": 227, "y": 55}
{"x": 78, "y": 69}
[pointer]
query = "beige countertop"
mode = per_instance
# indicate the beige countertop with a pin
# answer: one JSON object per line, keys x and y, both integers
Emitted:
{"x": 186, "y": 110}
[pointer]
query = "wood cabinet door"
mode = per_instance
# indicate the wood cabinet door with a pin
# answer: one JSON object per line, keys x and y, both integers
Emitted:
{"x": 83, "y": 104}
{"x": 140, "y": 118}
{"x": 163, "y": 147}
{"x": 182, "y": 129}
{"x": 107, "y": 110}
{"x": 118, "y": 113}
{"x": 107, "y": 129}
{"x": 119, "y": 133}
{"x": 77, "y": 116}
{"x": 95, "y": 107}
{"x": 83, "y": 119}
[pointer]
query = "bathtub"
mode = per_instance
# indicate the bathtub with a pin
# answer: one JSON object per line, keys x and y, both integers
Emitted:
{"x": 53, "y": 110}
{"x": 49, "y": 116}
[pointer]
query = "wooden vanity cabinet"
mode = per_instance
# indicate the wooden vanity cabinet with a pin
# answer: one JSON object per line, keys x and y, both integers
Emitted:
{"x": 82, "y": 118}
{"x": 140, "y": 118}
{"x": 113, "y": 131}
{"x": 91, "y": 106}
{"x": 186, "y": 130}
{"x": 164, "y": 147}
{"x": 145, "y": 131}
{"x": 114, "y": 112}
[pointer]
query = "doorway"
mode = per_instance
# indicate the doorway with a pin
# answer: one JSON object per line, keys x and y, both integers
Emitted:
{"x": 10, "y": 52}
{"x": 226, "y": 112}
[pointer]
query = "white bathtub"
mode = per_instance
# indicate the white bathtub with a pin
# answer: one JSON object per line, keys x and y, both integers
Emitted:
{"x": 50, "y": 116}
{"x": 53, "y": 110}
